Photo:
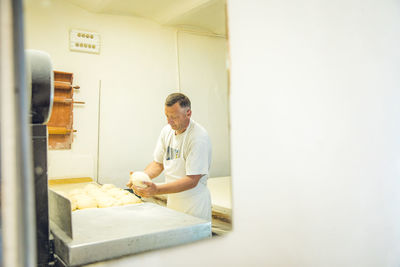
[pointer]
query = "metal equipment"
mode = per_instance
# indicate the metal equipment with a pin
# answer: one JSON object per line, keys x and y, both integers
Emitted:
{"x": 42, "y": 92}
{"x": 92, "y": 235}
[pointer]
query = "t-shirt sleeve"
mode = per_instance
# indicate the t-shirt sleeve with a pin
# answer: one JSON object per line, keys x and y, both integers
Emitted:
{"x": 160, "y": 149}
{"x": 197, "y": 161}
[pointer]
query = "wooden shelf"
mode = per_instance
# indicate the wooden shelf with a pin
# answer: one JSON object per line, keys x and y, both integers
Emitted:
{"x": 60, "y": 126}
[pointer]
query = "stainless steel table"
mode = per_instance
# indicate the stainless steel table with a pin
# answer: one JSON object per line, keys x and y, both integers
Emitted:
{"x": 101, "y": 234}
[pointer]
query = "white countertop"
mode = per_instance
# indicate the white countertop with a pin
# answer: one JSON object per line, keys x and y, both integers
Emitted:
{"x": 221, "y": 192}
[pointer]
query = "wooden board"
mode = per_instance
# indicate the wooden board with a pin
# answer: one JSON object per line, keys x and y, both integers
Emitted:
{"x": 62, "y": 113}
{"x": 70, "y": 181}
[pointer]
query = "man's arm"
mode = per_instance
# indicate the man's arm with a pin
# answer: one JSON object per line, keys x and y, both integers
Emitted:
{"x": 154, "y": 169}
{"x": 185, "y": 183}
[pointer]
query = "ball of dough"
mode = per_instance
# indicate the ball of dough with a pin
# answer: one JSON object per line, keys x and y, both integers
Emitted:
{"x": 120, "y": 194}
{"x": 137, "y": 179}
{"x": 77, "y": 191}
{"x": 105, "y": 202}
{"x": 85, "y": 202}
{"x": 74, "y": 197}
{"x": 125, "y": 193}
{"x": 128, "y": 199}
{"x": 106, "y": 187}
{"x": 94, "y": 192}
{"x": 97, "y": 194}
{"x": 114, "y": 192}
{"x": 131, "y": 199}
{"x": 91, "y": 186}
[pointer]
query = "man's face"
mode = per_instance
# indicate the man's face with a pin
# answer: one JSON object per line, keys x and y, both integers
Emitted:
{"x": 178, "y": 117}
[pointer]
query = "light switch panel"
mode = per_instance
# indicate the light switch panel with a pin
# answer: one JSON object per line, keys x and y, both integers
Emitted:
{"x": 84, "y": 41}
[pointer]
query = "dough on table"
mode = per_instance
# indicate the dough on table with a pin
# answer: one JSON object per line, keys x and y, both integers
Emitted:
{"x": 94, "y": 192}
{"x": 128, "y": 199}
{"x": 122, "y": 193}
{"x": 89, "y": 187}
{"x": 137, "y": 179}
{"x": 106, "y": 187}
{"x": 114, "y": 192}
{"x": 77, "y": 191}
{"x": 100, "y": 196}
{"x": 105, "y": 202}
{"x": 94, "y": 196}
{"x": 85, "y": 202}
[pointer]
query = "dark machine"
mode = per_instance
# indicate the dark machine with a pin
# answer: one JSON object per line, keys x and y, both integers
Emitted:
{"x": 41, "y": 72}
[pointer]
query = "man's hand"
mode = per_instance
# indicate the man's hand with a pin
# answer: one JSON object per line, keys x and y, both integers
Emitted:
{"x": 129, "y": 184}
{"x": 148, "y": 191}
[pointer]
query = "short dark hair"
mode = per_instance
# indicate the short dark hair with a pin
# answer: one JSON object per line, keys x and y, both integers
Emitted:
{"x": 183, "y": 100}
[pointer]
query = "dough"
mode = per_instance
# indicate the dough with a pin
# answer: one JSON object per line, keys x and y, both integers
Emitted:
{"x": 105, "y": 202}
{"x": 99, "y": 196}
{"x": 137, "y": 179}
{"x": 93, "y": 196}
{"x": 114, "y": 192}
{"x": 85, "y": 202}
{"x": 76, "y": 196}
{"x": 94, "y": 192}
{"x": 125, "y": 193}
{"x": 106, "y": 187}
{"x": 89, "y": 187}
{"x": 128, "y": 199}
{"x": 77, "y": 191}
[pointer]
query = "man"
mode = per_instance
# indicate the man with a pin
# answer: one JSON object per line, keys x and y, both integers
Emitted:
{"x": 183, "y": 151}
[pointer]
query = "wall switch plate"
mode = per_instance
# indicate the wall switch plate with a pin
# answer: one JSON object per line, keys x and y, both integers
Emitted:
{"x": 84, "y": 41}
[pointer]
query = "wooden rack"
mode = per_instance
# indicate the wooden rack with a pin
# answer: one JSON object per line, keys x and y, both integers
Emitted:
{"x": 60, "y": 126}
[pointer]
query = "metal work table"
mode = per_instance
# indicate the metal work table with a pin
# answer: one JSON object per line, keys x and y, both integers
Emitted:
{"x": 101, "y": 234}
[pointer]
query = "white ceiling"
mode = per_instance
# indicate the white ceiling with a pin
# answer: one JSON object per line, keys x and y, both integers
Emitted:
{"x": 206, "y": 15}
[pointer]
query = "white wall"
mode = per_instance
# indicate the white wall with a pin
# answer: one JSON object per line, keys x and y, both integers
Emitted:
{"x": 317, "y": 82}
{"x": 203, "y": 77}
{"x": 137, "y": 69}
{"x": 315, "y": 138}
{"x": 124, "y": 66}
{"x": 47, "y": 25}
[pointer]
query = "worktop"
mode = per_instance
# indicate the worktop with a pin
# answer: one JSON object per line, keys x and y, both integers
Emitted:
{"x": 221, "y": 201}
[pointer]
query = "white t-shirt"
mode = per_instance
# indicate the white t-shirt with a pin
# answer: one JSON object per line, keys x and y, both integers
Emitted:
{"x": 196, "y": 149}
